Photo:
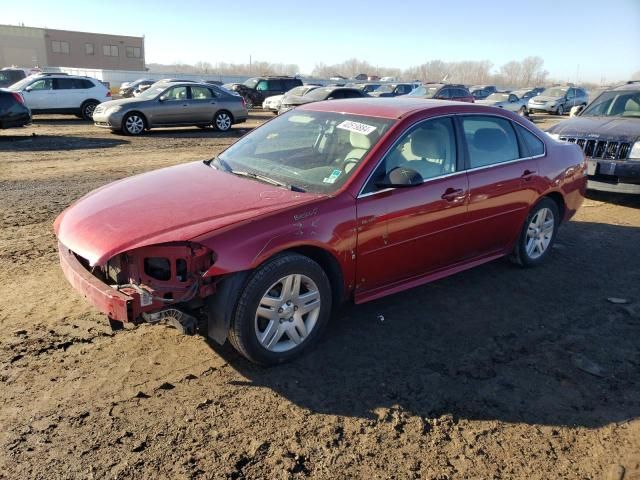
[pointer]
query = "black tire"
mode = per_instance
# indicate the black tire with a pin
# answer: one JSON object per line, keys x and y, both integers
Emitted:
{"x": 560, "y": 110}
{"x": 523, "y": 111}
{"x": 87, "y": 108}
{"x": 243, "y": 335}
{"x": 131, "y": 119}
{"x": 222, "y": 121}
{"x": 519, "y": 256}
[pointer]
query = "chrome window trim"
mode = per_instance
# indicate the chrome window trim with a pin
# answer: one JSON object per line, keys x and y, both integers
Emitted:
{"x": 544, "y": 153}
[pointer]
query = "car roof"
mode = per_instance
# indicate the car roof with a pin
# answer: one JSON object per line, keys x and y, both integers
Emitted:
{"x": 630, "y": 85}
{"x": 391, "y": 108}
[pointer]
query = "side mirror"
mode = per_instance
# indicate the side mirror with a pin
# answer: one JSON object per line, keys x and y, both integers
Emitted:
{"x": 400, "y": 177}
{"x": 162, "y": 98}
{"x": 331, "y": 98}
{"x": 575, "y": 111}
{"x": 28, "y": 88}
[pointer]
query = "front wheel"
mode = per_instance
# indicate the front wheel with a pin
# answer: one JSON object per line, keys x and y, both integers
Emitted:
{"x": 282, "y": 310}
{"x": 133, "y": 124}
{"x": 560, "y": 110}
{"x": 537, "y": 235}
{"x": 523, "y": 111}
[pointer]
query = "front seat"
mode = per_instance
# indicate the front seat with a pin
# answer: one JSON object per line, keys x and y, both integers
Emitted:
{"x": 360, "y": 145}
{"x": 429, "y": 145}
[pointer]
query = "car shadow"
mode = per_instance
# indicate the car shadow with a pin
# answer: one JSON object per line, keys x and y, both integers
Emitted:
{"x": 622, "y": 199}
{"x": 236, "y": 131}
{"x": 540, "y": 346}
{"x": 37, "y": 143}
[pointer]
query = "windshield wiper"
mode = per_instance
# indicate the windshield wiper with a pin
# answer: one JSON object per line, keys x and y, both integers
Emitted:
{"x": 256, "y": 176}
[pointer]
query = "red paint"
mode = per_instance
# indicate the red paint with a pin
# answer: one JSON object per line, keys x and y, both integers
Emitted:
{"x": 383, "y": 243}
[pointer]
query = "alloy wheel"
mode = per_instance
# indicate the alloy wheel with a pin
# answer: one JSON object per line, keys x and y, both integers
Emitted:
{"x": 287, "y": 313}
{"x": 539, "y": 233}
{"x": 223, "y": 121}
{"x": 134, "y": 124}
{"x": 88, "y": 110}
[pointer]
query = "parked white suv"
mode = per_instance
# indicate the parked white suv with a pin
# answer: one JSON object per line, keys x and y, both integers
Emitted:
{"x": 61, "y": 93}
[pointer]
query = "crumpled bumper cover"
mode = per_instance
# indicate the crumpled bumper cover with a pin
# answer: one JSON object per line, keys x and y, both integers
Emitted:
{"x": 113, "y": 303}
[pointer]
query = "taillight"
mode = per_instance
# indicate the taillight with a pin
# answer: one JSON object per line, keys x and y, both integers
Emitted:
{"x": 18, "y": 97}
{"x": 244, "y": 102}
{"x": 108, "y": 93}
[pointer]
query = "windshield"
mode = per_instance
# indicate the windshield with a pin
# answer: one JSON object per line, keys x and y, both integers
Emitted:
{"x": 555, "y": 92}
{"x": 615, "y": 104}
{"x": 424, "y": 91}
{"x": 370, "y": 88}
{"x": 153, "y": 91}
{"x": 251, "y": 83}
{"x": 21, "y": 84}
{"x": 313, "y": 151}
{"x": 320, "y": 93}
{"x": 385, "y": 89}
{"x": 498, "y": 97}
{"x": 523, "y": 93}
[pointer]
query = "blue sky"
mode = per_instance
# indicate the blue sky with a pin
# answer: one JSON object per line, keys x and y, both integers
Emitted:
{"x": 578, "y": 40}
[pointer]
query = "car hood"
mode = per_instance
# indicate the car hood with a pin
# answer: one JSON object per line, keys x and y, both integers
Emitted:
{"x": 296, "y": 100}
{"x": 274, "y": 98}
{"x": 622, "y": 129}
{"x": 124, "y": 102}
{"x": 490, "y": 103}
{"x": 172, "y": 204}
{"x": 544, "y": 99}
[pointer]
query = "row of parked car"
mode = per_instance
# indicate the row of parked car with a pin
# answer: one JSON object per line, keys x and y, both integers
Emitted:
{"x": 608, "y": 129}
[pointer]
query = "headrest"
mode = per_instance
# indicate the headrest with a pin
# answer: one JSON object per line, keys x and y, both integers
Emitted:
{"x": 359, "y": 140}
{"x": 489, "y": 139}
{"x": 428, "y": 143}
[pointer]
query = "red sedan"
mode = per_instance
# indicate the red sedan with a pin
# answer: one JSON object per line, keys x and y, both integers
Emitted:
{"x": 333, "y": 201}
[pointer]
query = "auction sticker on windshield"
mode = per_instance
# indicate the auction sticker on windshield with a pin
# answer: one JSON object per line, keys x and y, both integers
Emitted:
{"x": 357, "y": 127}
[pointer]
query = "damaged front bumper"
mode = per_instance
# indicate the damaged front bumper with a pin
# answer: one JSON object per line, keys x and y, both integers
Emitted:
{"x": 116, "y": 304}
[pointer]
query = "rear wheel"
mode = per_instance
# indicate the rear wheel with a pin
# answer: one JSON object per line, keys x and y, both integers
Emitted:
{"x": 222, "y": 121}
{"x": 537, "y": 235}
{"x": 282, "y": 310}
{"x": 133, "y": 124}
{"x": 87, "y": 109}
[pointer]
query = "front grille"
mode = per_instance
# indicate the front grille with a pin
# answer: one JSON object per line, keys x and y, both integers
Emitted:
{"x": 607, "y": 150}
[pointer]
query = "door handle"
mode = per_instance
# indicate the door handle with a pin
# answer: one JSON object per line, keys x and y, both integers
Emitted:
{"x": 527, "y": 175}
{"x": 453, "y": 194}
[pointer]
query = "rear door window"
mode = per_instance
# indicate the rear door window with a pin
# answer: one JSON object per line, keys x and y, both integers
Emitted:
{"x": 200, "y": 93}
{"x": 276, "y": 85}
{"x": 490, "y": 140}
{"x": 63, "y": 84}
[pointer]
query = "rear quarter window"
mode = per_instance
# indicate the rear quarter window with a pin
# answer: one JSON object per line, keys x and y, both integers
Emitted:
{"x": 532, "y": 143}
{"x": 490, "y": 140}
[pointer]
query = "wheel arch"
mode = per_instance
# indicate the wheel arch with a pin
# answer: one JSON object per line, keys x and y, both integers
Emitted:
{"x": 559, "y": 201}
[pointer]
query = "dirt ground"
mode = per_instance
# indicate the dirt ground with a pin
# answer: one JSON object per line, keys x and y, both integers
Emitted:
{"x": 493, "y": 373}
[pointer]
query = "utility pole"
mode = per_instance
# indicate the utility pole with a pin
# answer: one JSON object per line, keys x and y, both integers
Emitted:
{"x": 249, "y": 64}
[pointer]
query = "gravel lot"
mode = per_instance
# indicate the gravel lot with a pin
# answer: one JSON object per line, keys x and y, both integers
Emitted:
{"x": 496, "y": 372}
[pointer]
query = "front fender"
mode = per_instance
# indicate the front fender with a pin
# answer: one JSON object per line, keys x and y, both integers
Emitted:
{"x": 328, "y": 224}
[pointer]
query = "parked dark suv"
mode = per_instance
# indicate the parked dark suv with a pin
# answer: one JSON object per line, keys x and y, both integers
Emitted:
{"x": 9, "y": 76}
{"x": 608, "y": 131}
{"x": 443, "y": 91}
{"x": 259, "y": 88}
{"x": 13, "y": 111}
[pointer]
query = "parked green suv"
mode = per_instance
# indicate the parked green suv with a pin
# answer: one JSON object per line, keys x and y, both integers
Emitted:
{"x": 259, "y": 88}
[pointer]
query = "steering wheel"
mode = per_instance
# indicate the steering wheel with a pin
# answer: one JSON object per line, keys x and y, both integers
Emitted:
{"x": 347, "y": 162}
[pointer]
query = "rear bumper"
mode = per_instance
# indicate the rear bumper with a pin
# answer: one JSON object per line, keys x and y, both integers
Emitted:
{"x": 113, "y": 303}
{"x": 13, "y": 121}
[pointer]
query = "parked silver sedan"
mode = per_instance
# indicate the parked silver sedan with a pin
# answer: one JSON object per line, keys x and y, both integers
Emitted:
{"x": 173, "y": 104}
{"x": 507, "y": 101}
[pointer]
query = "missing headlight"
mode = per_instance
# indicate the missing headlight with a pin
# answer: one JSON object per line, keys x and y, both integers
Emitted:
{"x": 158, "y": 268}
